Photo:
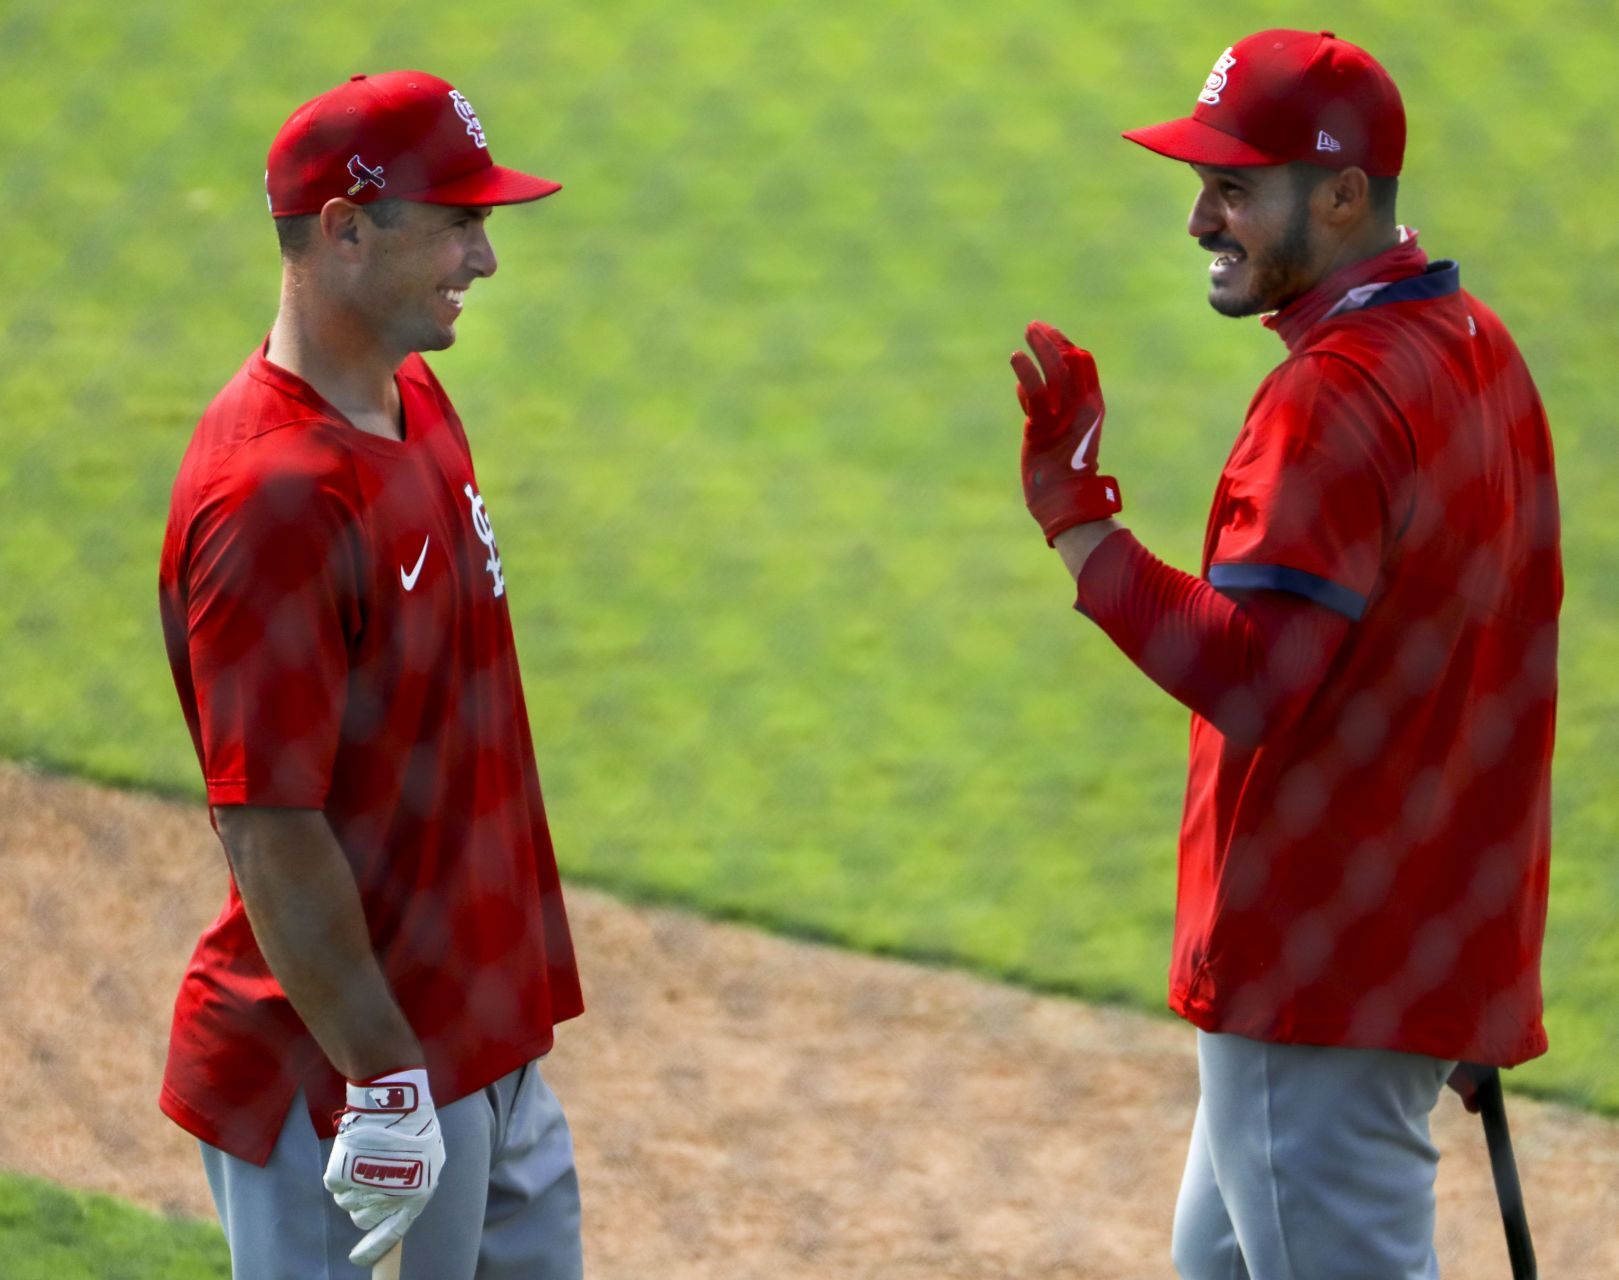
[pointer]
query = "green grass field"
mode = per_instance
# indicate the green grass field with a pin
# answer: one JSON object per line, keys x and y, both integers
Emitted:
{"x": 47, "y": 1233}
{"x": 739, "y": 399}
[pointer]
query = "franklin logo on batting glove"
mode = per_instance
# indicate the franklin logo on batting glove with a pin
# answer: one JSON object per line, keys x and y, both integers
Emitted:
{"x": 370, "y": 1172}
{"x": 386, "y": 1160}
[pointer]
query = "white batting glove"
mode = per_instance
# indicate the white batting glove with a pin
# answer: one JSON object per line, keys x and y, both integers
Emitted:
{"x": 387, "y": 1160}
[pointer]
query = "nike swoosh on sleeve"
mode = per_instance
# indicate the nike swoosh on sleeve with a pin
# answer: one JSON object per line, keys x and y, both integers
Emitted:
{"x": 409, "y": 579}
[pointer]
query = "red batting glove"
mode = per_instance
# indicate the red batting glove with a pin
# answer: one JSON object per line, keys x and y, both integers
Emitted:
{"x": 1062, "y": 431}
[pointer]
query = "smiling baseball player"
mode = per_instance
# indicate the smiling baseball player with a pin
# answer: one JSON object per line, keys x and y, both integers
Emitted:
{"x": 355, "y": 1041}
{"x": 1369, "y": 654}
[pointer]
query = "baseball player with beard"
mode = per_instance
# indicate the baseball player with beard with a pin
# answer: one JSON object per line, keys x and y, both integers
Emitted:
{"x": 1369, "y": 653}
{"x": 355, "y": 1041}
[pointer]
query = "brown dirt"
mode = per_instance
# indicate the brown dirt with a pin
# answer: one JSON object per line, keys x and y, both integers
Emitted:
{"x": 743, "y": 1106}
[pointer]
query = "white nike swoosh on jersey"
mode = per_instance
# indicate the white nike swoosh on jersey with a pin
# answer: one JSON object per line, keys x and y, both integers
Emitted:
{"x": 409, "y": 579}
{"x": 1079, "y": 463}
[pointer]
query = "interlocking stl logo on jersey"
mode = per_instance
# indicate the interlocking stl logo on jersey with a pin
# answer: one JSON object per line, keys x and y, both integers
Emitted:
{"x": 1214, "y": 86}
{"x": 486, "y": 535}
{"x": 386, "y": 1174}
{"x": 469, "y": 117}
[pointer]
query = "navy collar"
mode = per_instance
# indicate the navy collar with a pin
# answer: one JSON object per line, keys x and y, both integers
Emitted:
{"x": 1348, "y": 289}
{"x": 1438, "y": 280}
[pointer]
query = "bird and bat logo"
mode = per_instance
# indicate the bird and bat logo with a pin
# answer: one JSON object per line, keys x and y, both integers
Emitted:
{"x": 365, "y": 176}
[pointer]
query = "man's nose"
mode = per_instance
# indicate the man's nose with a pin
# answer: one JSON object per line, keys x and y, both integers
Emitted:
{"x": 481, "y": 255}
{"x": 1205, "y": 217}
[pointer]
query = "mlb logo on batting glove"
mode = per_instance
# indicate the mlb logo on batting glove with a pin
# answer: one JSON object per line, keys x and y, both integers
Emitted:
{"x": 389, "y": 1096}
{"x": 386, "y": 1159}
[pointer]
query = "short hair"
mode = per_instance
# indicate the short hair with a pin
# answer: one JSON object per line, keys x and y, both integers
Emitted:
{"x": 295, "y": 232}
{"x": 1384, "y": 192}
{"x": 1381, "y": 193}
{"x": 387, "y": 212}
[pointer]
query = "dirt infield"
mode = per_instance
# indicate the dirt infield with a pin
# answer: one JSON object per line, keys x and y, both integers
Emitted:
{"x": 743, "y": 1106}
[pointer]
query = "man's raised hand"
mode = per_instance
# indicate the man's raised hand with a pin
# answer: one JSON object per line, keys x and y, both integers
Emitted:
{"x": 1062, "y": 433}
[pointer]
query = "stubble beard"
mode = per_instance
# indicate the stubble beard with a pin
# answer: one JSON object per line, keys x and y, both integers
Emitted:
{"x": 1278, "y": 274}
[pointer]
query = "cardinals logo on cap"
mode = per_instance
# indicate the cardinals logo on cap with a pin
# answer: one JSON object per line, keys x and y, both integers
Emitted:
{"x": 364, "y": 175}
{"x": 463, "y": 108}
{"x": 1214, "y": 86}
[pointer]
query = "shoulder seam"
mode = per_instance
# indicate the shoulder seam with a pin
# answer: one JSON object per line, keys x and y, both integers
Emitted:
{"x": 202, "y": 485}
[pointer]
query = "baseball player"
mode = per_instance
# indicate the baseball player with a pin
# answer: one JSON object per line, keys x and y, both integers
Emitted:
{"x": 355, "y": 1039}
{"x": 1369, "y": 654}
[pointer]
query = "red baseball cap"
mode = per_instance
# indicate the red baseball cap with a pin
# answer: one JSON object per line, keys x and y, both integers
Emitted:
{"x": 402, "y": 133}
{"x": 1281, "y": 96}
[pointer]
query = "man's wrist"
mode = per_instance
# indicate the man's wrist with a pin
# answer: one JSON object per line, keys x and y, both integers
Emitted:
{"x": 376, "y": 1041}
{"x": 1076, "y": 544}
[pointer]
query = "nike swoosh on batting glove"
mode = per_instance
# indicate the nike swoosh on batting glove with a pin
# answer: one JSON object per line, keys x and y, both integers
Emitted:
{"x": 1062, "y": 434}
{"x": 387, "y": 1160}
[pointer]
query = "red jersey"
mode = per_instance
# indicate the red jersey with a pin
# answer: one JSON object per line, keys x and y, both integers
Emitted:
{"x": 335, "y": 611}
{"x": 1374, "y": 873}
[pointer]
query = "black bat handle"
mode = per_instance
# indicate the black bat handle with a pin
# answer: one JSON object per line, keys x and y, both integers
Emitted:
{"x": 1491, "y": 1105}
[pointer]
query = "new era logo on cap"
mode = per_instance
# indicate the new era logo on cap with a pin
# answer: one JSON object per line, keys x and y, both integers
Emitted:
{"x": 410, "y": 126}
{"x": 1324, "y": 141}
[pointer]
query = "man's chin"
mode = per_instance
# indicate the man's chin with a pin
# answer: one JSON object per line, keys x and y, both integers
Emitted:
{"x": 438, "y": 340}
{"x": 1235, "y": 305}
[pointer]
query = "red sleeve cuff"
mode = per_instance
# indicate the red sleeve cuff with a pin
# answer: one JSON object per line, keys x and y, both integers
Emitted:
{"x": 1246, "y": 667}
{"x": 1107, "y": 573}
{"x": 234, "y": 791}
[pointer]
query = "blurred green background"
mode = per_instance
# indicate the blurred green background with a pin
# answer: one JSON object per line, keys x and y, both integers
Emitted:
{"x": 49, "y": 1233}
{"x": 740, "y": 406}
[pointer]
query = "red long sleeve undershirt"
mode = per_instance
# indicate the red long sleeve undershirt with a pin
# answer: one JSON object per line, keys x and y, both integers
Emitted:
{"x": 1247, "y": 662}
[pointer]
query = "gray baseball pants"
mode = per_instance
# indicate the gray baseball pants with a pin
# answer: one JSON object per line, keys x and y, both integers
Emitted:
{"x": 507, "y": 1207}
{"x": 1309, "y": 1163}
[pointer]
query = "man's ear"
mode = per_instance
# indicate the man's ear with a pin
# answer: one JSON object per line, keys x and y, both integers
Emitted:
{"x": 339, "y": 227}
{"x": 1348, "y": 195}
